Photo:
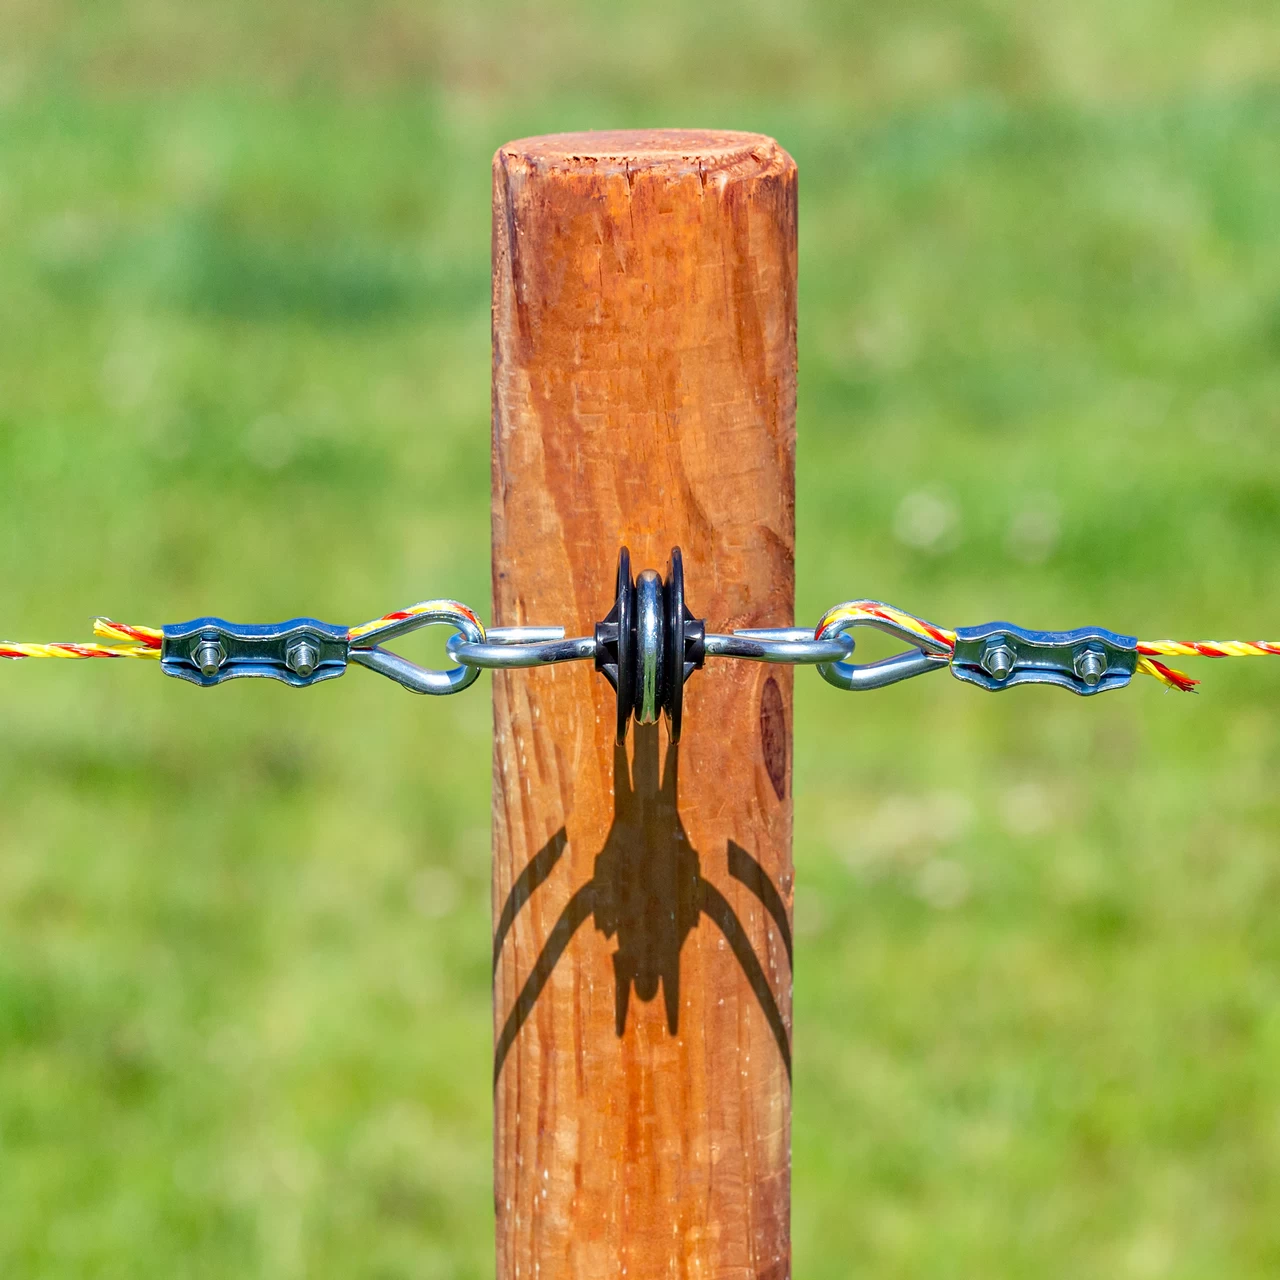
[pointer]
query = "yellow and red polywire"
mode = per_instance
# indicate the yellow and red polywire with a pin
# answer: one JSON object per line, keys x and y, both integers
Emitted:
{"x": 145, "y": 642}
{"x": 140, "y": 642}
{"x": 1150, "y": 650}
{"x": 413, "y": 611}
{"x": 884, "y": 613}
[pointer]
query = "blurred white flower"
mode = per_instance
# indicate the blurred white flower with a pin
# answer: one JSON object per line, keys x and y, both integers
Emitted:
{"x": 885, "y": 339}
{"x": 1219, "y": 416}
{"x": 926, "y": 521}
{"x": 68, "y": 238}
{"x": 942, "y": 883}
{"x": 1035, "y": 529}
{"x": 14, "y": 77}
{"x": 435, "y": 892}
{"x": 195, "y": 160}
{"x": 1151, "y": 1252}
{"x": 129, "y": 372}
{"x": 1026, "y": 809}
{"x": 948, "y": 815}
{"x": 810, "y": 914}
{"x": 271, "y": 442}
{"x": 905, "y": 828}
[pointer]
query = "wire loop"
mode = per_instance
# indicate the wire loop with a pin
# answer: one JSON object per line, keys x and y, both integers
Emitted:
{"x": 365, "y": 649}
{"x": 931, "y": 650}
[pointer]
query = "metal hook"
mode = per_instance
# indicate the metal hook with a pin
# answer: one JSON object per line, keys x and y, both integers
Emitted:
{"x": 365, "y": 649}
{"x": 925, "y": 655}
{"x": 513, "y": 648}
{"x": 790, "y": 645}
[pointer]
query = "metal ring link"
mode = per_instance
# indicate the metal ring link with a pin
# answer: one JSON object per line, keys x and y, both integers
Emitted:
{"x": 926, "y": 654}
{"x": 365, "y": 649}
{"x": 514, "y": 648}
{"x": 793, "y": 645}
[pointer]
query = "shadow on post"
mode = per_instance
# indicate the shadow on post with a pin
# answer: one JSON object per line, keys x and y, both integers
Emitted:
{"x": 648, "y": 892}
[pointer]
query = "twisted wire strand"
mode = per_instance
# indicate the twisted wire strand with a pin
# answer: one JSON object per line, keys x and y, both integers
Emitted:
{"x": 16, "y": 651}
{"x": 1167, "y": 676}
{"x": 1150, "y": 650}
{"x": 140, "y": 642}
{"x": 148, "y": 637}
{"x": 885, "y": 613}
{"x": 1209, "y": 648}
{"x": 413, "y": 611}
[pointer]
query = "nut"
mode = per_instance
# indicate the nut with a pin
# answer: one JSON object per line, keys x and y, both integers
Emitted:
{"x": 208, "y": 655}
{"x": 302, "y": 657}
{"x": 997, "y": 659}
{"x": 1091, "y": 665}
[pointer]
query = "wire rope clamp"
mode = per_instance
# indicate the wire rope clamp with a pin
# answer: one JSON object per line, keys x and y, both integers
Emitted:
{"x": 1089, "y": 660}
{"x": 210, "y": 651}
{"x": 649, "y": 644}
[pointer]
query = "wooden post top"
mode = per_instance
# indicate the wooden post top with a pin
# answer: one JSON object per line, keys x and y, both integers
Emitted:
{"x": 626, "y": 150}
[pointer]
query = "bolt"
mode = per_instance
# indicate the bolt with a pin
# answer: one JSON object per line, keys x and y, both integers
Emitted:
{"x": 1091, "y": 666}
{"x": 997, "y": 659}
{"x": 302, "y": 657}
{"x": 208, "y": 655}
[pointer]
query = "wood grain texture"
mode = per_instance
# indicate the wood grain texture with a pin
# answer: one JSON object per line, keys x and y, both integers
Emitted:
{"x": 644, "y": 366}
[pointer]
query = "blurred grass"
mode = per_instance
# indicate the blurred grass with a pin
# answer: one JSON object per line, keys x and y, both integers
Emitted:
{"x": 244, "y": 358}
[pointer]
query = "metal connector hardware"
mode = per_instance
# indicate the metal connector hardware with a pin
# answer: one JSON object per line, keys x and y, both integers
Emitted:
{"x": 999, "y": 655}
{"x": 647, "y": 647}
{"x": 209, "y": 651}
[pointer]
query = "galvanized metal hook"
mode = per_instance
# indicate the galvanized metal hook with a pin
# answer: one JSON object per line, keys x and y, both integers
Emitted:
{"x": 925, "y": 655}
{"x": 367, "y": 651}
{"x": 516, "y": 648}
{"x": 793, "y": 646}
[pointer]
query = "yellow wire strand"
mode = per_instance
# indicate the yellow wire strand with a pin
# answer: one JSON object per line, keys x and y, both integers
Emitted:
{"x": 68, "y": 650}
{"x": 1223, "y": 648}
{"x": 1148, "y": 668}
{"x": 148, "y": 649}
{"x": 874, "y": 609}
{"x": 1196, "y": 649}
{"x": 413, "y": 611}
{"x": 121, "y": 631}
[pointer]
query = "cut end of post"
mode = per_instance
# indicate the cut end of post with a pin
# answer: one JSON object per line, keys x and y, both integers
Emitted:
{"x": 627, "y": 150}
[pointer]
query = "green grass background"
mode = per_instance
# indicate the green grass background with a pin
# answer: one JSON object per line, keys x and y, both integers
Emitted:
{"x": 244, "y": 367}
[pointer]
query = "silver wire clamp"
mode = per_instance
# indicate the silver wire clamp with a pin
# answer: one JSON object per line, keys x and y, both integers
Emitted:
{"x": 1088, "y": 660}
{"x": 209, "y": 651}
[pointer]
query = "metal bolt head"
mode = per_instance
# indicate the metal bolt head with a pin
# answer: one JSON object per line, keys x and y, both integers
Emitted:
{"x": 1091, "y": 665}
{"x": 997, "y": 659}
{"x": 302, "y": 657}
{"x": 208, "y": 655}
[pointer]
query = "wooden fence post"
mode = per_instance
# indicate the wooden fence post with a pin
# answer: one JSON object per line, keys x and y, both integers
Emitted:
{"x": 644, "y": 365}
